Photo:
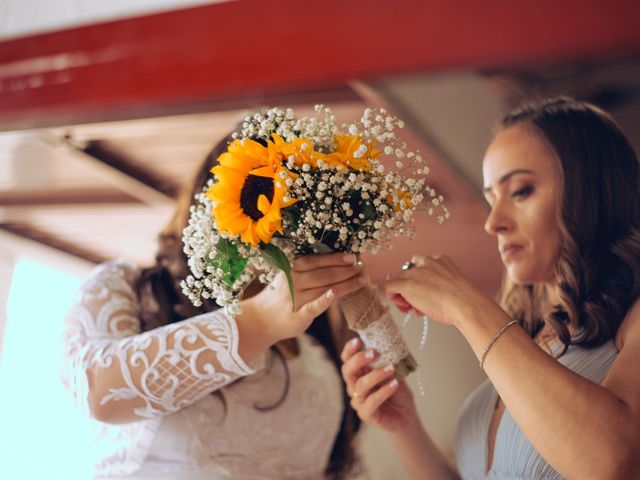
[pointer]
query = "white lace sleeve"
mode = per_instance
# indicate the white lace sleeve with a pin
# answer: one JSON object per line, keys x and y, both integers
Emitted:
{"x": 150, "y": 373}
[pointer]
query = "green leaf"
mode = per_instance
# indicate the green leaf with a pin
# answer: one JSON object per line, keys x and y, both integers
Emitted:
{"x": 293, "y": 214}
{"x": 368, "y": 211}
{"x": 229, "y": 260}
{"x": 276, "y": 257}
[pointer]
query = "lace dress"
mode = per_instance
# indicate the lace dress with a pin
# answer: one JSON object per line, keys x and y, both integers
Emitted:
{"x": 184, "y": 431}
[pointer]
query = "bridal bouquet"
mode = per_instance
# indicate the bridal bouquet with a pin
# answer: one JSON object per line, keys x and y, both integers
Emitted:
{"x": 290, "y": 186}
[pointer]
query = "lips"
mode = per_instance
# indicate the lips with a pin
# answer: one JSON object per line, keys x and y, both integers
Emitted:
{"x": 509, "y": 249}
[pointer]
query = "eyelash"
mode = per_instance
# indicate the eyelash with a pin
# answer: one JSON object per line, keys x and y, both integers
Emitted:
{"x": 523, "y": 192}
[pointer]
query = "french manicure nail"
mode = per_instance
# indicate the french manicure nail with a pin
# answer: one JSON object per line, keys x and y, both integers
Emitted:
{"x": 330, "y": 294}
{"x": 389, "y": 368}
{"x": 353, "y": 342}
{"x": 368, "y": 354}
{"x": 349, "y": 258}
{"x": 393, "y": 383}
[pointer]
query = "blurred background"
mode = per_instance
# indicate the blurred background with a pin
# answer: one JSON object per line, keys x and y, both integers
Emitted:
{"x": 106, "y": 109}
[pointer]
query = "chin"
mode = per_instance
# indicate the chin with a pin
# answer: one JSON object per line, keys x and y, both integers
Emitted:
{"x": 524, "y": 277}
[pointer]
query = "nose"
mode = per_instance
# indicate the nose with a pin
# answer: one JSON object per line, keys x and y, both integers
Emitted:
{"x": 497, "y": 221}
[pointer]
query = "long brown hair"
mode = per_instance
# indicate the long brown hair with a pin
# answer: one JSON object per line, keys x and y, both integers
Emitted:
{"x": 160, "y": 286}
{"x": 599, "y": 219}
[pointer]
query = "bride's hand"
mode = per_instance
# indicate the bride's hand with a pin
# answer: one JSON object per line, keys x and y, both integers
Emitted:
{"x": 317, "y": 281}
{"x": 434, "y": 286}
{"x": 377, "y": 397}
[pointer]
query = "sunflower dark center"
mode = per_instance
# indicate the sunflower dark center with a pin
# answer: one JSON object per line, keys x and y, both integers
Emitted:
{"x": 253, "y": 187}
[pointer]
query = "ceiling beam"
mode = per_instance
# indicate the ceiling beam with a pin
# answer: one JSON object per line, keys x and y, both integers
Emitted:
{"x": 101, "y": 152}
{"x": 229, "y": 52}
{"x": 67, "y": 198}
{"x": 118, "y": 171}
{"x": 45, "y": 238}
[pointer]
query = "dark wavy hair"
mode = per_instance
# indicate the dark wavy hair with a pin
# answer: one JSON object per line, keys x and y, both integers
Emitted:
{"x": 599, "y": 220}
{"x": 162, "y": 302}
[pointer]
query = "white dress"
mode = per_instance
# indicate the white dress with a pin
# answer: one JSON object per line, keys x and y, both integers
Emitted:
{"x": 184, "y": 431}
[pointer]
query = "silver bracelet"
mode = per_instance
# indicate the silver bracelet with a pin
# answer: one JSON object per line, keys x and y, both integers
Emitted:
{"x": 493, "y": 340}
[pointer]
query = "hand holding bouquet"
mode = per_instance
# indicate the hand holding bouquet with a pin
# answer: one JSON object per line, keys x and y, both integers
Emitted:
{"x": 290, "y": 186}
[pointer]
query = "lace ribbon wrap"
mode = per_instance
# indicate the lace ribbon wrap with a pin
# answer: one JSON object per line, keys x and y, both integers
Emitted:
{"x": 367, "y": 316}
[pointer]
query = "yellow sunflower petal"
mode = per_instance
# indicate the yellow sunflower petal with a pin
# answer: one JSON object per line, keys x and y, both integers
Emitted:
{"x": 223, "y": 174}
{"x": 267, "y": 172}
{"x": 264, "y": 230}
{"x": 223, "y": 195}
{"x": 236, "y": 162}
{"x": 248, "y": 235}
{"x": 263, "y": 204}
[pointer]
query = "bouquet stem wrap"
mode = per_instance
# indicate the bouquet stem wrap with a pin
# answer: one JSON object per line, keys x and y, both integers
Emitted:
{"x": 366, "y": 315}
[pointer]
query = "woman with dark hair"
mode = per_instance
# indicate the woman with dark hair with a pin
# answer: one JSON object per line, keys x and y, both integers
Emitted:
{"x": 562, "y": 347}
{"x": 192, "y": 393}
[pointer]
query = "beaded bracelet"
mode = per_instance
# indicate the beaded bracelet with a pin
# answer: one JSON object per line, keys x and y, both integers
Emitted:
{"x": 493, "y": 340}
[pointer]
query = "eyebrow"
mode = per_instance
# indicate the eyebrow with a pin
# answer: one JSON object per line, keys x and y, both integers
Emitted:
{"x": 507, "y": 176}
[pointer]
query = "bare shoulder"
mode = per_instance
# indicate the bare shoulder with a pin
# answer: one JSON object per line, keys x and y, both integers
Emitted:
{"x": 623, "y": 378}
{"x": 630, "y": 327}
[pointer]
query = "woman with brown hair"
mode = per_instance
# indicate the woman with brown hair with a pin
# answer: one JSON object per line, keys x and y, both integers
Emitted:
{"x": 192, "y": 393}
{"x": 562, "y": 347}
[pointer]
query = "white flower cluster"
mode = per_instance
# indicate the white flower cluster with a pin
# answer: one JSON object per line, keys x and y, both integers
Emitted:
{"x": 206, "y": 281}
{"x": 358, "y": 206}
{"x": 320, "y": 129}
{"x": 350, "y": 210}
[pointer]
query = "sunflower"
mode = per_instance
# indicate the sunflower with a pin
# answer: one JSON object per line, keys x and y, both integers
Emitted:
{"x": 250, "y": 191}
{"x": 346, "y": 148}
{"x": 301, "y": 149}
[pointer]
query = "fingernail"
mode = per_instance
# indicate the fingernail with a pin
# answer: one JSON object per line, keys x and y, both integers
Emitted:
{"x": 364, "y": 279}
{"x": 389, "y": 368}
{"x": 369, "y": 354}
{"x": 393, "y": 383}
{"x": 330, "y": 294}
{"x": 349, "y": 258}
{"x": 353, "y": 342}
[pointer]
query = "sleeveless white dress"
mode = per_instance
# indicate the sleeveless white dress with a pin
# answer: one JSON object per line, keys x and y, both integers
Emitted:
{"x": 184, "y": 431}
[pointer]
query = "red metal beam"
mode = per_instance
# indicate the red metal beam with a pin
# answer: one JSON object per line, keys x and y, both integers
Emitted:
{"x": 222, "y": 54}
